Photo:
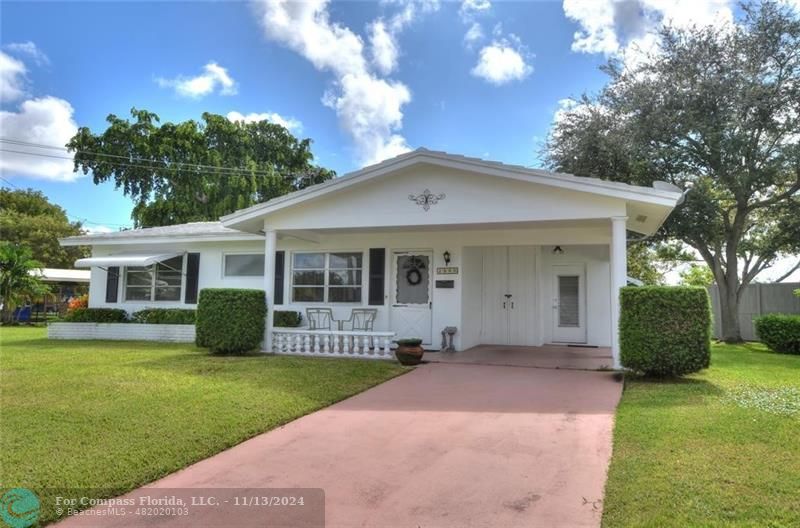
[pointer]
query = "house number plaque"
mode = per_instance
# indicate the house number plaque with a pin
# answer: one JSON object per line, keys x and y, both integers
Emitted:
{"x": 451, "y": 270}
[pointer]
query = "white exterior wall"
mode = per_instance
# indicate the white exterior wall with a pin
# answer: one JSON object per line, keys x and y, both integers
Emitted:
{"x": 210, "y": 274}
{"x": 451, "y": 307}
{"x": 168, "y": 333}
{"x": 598, "y": 292}
{"x": 595, "y": 259}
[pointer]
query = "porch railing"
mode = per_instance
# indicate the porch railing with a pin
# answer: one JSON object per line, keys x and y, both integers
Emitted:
{"x": 332, "y": 343}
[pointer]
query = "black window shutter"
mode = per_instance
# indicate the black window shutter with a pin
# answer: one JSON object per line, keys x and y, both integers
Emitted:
{"x": 192, "y": 278}
{"x": 280, "y": 259}
{"x": 377, "y": 265}
{"x": 112, "y": 284}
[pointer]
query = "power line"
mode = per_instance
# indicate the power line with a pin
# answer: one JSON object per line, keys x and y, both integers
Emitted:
{"x": 174, "y": 165}
{"x": 78, "y": 218}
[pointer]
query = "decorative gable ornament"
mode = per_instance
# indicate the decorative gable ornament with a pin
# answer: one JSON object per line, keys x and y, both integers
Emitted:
{"x": 426, "y": 199}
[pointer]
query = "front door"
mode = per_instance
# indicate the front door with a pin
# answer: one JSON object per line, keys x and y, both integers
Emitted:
{"x": 569, "y": 304}
{"x": 411, "y": 295}
{"x": 509, "y": 296}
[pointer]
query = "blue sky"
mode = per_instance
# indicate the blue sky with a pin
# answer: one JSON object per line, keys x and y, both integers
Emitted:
{"x": 364, "y": 80}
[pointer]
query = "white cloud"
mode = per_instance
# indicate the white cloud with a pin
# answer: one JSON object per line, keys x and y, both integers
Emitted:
{"x": 290, "y": 123}
{"x": 628, "y": 28}
{"x": 213, "y": 77}
{"x": 470, "y": 8}
{"x": 46, "y": 121}
{"x": 502, "y": 62}
{"x": 368, "y": 105}
{"x": 473, "y": 35}
{"x": 31, "y": 50}
{"x": 12, "y": 78}
{"x": 383, "y": 47}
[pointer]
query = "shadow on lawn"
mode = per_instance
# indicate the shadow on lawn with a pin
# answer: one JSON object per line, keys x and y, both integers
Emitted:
{"x": 669, "y": 392}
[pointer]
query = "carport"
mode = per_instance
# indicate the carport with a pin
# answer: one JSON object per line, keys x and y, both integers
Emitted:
{"x": 547, "y": 356}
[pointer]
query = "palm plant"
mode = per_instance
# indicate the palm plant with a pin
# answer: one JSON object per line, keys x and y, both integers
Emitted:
{"x": 18, "y": 278}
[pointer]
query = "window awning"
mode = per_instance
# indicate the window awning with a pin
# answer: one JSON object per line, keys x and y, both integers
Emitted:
{"x": 126, "y": 259}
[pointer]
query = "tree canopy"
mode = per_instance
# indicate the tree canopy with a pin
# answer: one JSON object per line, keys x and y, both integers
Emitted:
{"x": 28, "y": 219}
{"x": 194, "y": 171}
{"x": 714, "y": 109}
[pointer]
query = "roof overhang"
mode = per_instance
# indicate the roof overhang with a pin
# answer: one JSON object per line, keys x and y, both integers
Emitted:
{"x": 126, "y": 259}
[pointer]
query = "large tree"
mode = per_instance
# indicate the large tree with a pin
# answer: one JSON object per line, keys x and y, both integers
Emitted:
{"x": 194, "y": 171}
{"x": 717, "y": 110}
{"x": 28, "y": 219}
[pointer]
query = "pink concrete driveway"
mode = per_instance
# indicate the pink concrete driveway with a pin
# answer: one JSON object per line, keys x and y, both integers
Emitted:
{"x": 443, "y": 446}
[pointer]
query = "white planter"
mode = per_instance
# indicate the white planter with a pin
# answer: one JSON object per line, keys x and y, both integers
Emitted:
{"x": 170, "y": 333}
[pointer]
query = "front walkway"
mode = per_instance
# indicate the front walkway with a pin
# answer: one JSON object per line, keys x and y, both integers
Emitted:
{"x": 445, "y": 445}
{"x": 547, "y": 356}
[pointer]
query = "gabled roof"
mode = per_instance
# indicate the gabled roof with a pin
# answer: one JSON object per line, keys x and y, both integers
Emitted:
{"x": 193, "y": 231}
{"x": 647, "y": 195}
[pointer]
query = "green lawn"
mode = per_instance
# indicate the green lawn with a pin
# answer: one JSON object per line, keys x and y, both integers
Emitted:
{"x": 719, "y": 448}
{"x": 116, "y": 415}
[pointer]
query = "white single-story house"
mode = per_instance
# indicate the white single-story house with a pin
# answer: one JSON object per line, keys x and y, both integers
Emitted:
{"x": 506, "y": 254}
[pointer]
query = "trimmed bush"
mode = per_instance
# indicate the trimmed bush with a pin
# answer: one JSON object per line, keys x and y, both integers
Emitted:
{"x": 780, "y": 332}
{"x": 164, "y": 316}
{"x": 287, "y": 319}
{"x": 96, "y": 315}
{"x": 665, "y": 330}
{"x": 230, "y": 320}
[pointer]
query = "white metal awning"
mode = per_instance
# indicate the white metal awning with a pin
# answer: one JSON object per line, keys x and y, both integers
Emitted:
{"x": 126, "y": 259}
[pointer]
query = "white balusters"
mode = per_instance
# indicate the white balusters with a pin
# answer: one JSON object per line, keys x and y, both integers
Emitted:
{"x": 332, "y": 343}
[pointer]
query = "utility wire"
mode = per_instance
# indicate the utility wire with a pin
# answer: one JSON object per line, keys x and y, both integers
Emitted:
{"x": 78, "y": 218}
{"x": 133, "y": 161}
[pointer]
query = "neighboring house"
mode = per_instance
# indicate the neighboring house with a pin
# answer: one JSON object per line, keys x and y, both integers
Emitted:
{"x": 534, "y": 257}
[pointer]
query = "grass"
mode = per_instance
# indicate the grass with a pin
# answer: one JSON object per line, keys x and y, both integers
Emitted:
{"x": 116, "y": 415}
{"x": 719, "y": 448}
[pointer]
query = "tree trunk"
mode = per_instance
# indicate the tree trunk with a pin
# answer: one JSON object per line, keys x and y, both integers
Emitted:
{"x": 727, "y": 281}
{"x": 729, "y": 313}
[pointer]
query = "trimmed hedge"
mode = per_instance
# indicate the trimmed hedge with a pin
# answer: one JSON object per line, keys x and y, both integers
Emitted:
{"x": 96, "y": 315}
{"x": 230, "y": 320}
{"x": 164, "y": 316}
{"x": 286, "y": 319}
{"x": 780, "y": 332}
{"x": 665, "y": 330}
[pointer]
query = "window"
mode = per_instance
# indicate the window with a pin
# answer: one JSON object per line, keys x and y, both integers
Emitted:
{"x": 327, "y": 277}
{"x": 244, "y": 265}
{"x": 160, "y": 282}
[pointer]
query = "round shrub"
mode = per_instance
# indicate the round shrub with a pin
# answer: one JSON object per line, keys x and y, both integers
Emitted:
{"x": 665, "y": 330}
{"x": 780, "y": 332}
{"x": 230, "y": 320}
{"x": 164, "y": 316}
{"x": 287, "y": 319}
{"x": 96, "y": 315}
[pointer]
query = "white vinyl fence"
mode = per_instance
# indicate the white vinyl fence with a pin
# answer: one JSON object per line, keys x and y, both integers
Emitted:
{"x": 758, "y": 299}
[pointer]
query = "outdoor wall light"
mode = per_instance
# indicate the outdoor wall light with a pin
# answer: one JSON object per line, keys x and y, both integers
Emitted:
{"x": 446, "y": 258}
{"x": 557, "y": 250}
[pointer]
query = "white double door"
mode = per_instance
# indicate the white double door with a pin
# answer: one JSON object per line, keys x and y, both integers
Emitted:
{"x": 509, "y": 314}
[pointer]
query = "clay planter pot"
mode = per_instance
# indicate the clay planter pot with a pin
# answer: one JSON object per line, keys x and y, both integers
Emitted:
{"x": 409, "y": 351}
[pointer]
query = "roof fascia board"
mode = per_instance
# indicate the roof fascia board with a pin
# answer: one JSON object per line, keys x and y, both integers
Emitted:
{"x": 161, "y": 239}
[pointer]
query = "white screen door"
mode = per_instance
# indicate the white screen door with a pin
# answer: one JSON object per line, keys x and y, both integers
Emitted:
{"x": 411, "y": 295}
{"x": 569, "y": 304}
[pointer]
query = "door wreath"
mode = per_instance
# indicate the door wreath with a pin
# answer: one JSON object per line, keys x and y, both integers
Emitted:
{"x": 413, "y": 276}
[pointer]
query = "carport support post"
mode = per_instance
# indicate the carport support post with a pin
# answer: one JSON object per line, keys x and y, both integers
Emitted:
{"x": 270, "y": 245}
{"x": 619, "y": 277}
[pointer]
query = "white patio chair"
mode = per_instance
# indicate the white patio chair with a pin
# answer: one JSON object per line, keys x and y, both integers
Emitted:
{"x": 319, "y": 318}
